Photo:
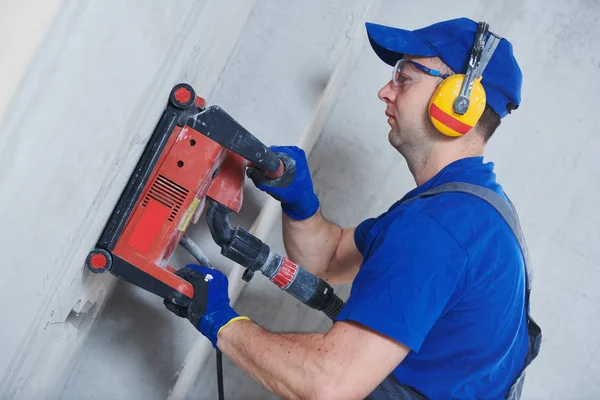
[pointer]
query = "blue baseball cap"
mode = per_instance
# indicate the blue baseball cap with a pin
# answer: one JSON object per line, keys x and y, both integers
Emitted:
{"x": 451, "y": 41}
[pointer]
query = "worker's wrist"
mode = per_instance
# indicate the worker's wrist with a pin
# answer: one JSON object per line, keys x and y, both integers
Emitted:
{"x": 225, "y": 328}
{"x": 211, "y": 323}
{"x": 303, "y": 207}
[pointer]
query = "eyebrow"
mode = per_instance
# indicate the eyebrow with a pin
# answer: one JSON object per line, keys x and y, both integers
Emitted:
{"x": 414, "y": 68}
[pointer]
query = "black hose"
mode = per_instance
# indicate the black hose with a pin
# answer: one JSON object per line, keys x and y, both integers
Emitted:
{"x": 333, "y": 307}
{"x": 220, "y": 375}
{"x": 218, "y": 223}
{"x": 193, "y": 248}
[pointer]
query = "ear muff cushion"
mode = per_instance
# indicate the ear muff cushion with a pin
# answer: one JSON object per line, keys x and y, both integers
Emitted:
{"x": 441, "y": 106}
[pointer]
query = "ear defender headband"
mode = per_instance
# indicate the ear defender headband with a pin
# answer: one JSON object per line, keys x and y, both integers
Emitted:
{"x": 460, "y": 99}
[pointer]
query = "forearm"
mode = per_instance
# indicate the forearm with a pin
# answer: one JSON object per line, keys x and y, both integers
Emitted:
{"x": 293, "y": 366}
{"x": 312, "y": 242}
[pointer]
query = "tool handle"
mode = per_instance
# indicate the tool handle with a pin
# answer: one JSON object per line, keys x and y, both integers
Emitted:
{"x": 272, "y": 159}
{"x": 307, "y": 287}
{"x": 250, "y": 252}
{"x": 271, "y": 175}
{"x": 214, "y": 123}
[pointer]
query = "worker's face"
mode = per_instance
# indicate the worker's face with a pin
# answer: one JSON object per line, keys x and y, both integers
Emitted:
{"x": 411, "y": 130}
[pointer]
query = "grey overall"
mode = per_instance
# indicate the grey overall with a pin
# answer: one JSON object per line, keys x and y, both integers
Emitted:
{"x": 390, "y": 388}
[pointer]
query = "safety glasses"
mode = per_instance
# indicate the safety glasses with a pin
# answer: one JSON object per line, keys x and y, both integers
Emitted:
{"x": 401, "y": 78}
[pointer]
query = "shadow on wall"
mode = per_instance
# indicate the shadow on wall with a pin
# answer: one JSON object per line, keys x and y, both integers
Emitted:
{"x": 134, "y": 343}
{"x": 342, "y": 165}
{"x": 313, "y": 86}
{"x": 142, "y": 329}
{"x": 135, "y": 340}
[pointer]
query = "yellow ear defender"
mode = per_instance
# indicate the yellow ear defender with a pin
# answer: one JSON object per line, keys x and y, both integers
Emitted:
{"x": 459, "y": 100}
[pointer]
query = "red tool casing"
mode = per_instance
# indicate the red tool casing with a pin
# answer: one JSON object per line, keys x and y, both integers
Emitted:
{"x": 178, "y": 169}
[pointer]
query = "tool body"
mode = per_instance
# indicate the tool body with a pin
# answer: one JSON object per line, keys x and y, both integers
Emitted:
{"x": 197, "y": 155}
{"x": 247, "y": 250}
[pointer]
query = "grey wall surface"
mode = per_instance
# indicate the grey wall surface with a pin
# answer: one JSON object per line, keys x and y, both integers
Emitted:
{"x": 271, "y": 85}
{"x": 95, "y": 87}
{"x": 81, "y": 112}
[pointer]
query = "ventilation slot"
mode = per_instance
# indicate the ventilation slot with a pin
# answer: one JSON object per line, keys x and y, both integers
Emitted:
{"x": 167, "y": 193}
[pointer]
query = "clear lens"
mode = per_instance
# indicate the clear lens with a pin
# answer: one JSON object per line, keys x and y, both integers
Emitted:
{"x": 400, "y": 77}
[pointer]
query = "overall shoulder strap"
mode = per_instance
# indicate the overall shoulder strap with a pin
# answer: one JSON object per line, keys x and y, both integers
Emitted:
{"x": 509, "y": 214}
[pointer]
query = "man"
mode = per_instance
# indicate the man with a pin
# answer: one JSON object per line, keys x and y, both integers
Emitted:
{"x": 438, "y": 306}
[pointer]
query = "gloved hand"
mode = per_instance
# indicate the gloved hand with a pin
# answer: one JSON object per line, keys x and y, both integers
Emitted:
{"x": 209, "y": 310}
{"x": 295, "y": 188}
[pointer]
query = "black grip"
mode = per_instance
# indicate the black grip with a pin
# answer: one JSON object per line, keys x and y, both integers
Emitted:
{"x": 333, "y": 306}
{"x": 271, "y": 163}
{"x": 315, "y": 293}
{"x": 250, "y": 252}
{"x": 219, "y": 126}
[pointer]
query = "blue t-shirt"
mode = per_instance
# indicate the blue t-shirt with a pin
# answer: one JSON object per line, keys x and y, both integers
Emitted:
{"x": 445, "y": 276}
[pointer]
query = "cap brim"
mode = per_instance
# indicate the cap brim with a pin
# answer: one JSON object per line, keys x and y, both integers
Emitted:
{"x": 391, "y": 44}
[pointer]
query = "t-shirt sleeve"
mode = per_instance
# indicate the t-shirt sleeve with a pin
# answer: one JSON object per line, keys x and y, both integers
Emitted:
{"x": 361, "y": 232}
{"x": 414, "y": 267}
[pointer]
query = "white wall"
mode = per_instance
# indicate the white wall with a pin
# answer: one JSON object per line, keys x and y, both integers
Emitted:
{"x": 70, "y": 136}
{"x": 96, "y": 82}
{"x": 273, "y": 84}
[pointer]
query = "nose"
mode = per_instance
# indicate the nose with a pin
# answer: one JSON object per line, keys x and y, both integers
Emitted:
{"x": 387, "y": 93}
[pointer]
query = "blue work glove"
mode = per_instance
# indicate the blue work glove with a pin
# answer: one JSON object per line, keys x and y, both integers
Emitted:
{"x": 295, "y": 188}
{"x": 209, "y": 311}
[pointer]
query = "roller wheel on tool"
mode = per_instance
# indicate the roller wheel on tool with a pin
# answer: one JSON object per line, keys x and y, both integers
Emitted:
{"x": 182, "y": 96}
{"x": 98, "y": 261}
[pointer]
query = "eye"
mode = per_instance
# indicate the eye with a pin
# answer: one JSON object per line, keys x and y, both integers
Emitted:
{"x": 401, "y": 79}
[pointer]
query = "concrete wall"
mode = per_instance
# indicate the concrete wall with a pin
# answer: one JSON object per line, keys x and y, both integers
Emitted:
{"x": 95, "y": 85}
{"x": 275, "y": 96}
{"x": 97, "y": 76}
{"x": 81, "y": 111}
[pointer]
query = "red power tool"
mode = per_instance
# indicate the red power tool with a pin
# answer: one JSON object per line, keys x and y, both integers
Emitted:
{"x": 196, "y": 157}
